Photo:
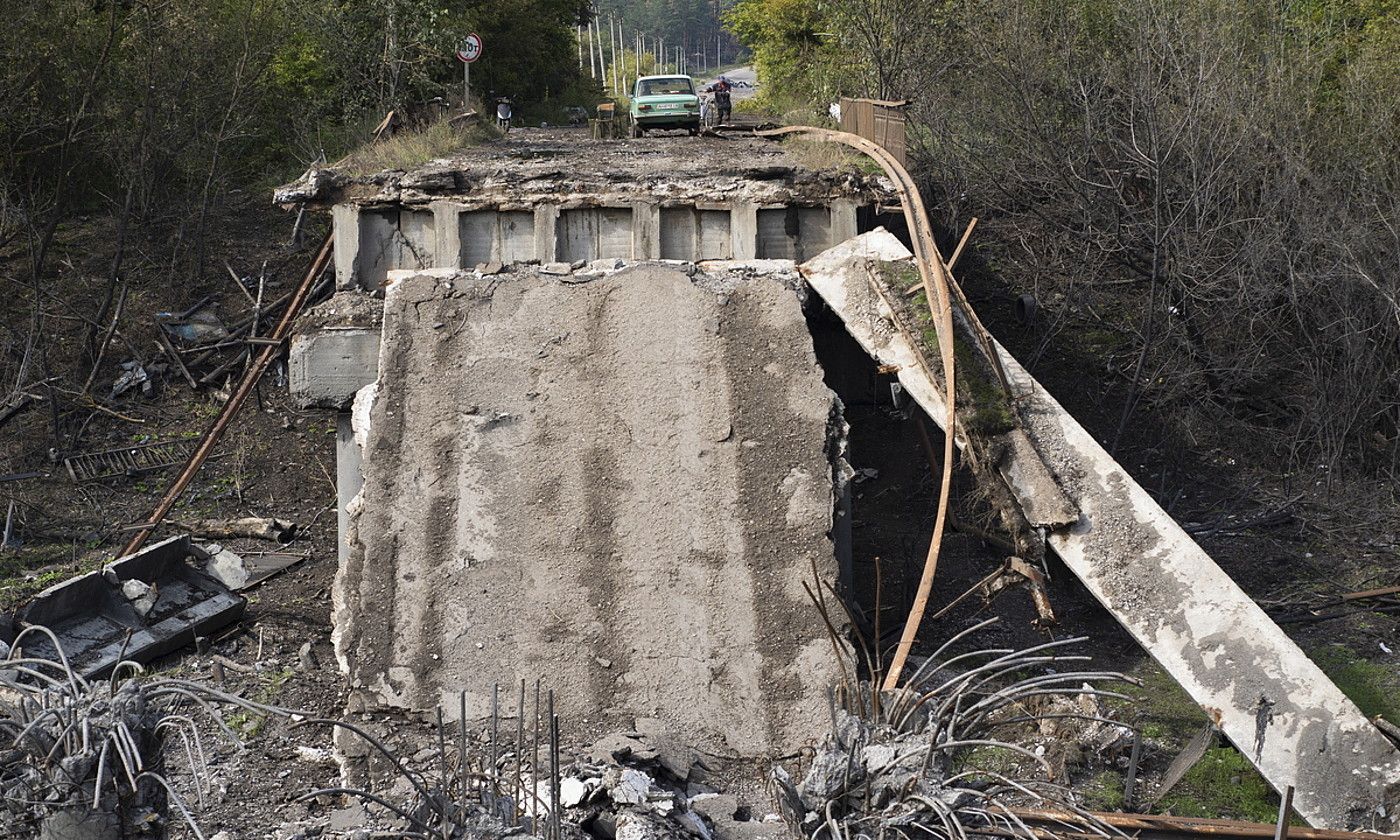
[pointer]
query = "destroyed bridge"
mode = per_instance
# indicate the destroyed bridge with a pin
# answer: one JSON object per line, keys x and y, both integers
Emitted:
{"x": 584, "y": 436}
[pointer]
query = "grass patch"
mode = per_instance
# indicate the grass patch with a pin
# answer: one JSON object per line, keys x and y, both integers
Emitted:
{"x": 820, "y": 156}
{"x": 991, "y": 410}
{"x": 1104, "y": 792}
{"x": 1373, "y": 688}
{"x": 1223, "y": 784}
{"x": 988, "y": 759}
{"x": 1162, "y": 710}
{"x": 250, "y": 724}
{"x": 978, "y": 388}
{"x": 16, "y": 588}
{"x": 417, "y": 146}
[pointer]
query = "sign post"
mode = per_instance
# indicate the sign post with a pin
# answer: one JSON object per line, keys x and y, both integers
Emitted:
{"x": 467, "y": 52}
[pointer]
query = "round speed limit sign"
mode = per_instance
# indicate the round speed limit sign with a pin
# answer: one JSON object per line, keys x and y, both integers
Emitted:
{"x": 470, "y": 48}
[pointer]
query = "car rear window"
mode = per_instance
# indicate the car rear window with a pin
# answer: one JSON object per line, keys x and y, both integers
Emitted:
{"x": 666, "y": 87}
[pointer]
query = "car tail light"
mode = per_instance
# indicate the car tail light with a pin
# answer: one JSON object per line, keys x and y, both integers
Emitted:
{"x": 643, "y": 107}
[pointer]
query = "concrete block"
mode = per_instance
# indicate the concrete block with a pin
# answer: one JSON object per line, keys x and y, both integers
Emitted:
{"x": 379, "y": 247}
{"x": 743, "y": 231}
{"x": 325, "y": 369}
{"x": 647, "y": 231}
{"x": 546, "y": 233}
{"x": 478, "y": 232}
{"x": 504, "y": 497}
{"x": 712, "y": 234}
{"x": 813, "y": 232}
{"x": 678, "y": 234}
{"x": 793, "y": 233}
{"x": 417, "y": 240}
{"x": 345, "y": 222}
{"x": 777, "y": 232}
{"x": 590, "y": 233}
{"x": 843, "y": 221}
{"x": 447, "y": 245}
{"x": 515, "y": 237}
{"x": 349, "y": 478}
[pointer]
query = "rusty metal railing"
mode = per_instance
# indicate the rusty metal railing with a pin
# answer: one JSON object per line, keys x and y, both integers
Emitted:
{"x": 880, "y": 121}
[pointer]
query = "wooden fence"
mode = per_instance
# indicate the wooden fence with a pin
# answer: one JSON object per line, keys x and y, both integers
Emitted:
{"x": 877, "y": 120}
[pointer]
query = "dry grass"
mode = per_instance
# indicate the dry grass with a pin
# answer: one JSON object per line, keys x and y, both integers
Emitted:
{"x": 416, "y": 146}
{"x": 820, "y": 156}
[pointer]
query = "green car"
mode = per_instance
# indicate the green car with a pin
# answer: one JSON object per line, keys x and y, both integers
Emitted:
{"x": 665, "y": 102}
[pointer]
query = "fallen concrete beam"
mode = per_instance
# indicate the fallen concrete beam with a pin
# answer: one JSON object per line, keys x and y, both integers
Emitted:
{"x": 1273, "y": 703}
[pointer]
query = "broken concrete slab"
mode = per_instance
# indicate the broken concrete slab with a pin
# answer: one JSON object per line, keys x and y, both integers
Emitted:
{"x": 573, "y": 173}
{"x": 140, "y": 607}
{"x": 326, "y": 367}
{"x": 1274, "y": 704}
{"x": 563, "y": 480}
{"x": 225, "y": 566}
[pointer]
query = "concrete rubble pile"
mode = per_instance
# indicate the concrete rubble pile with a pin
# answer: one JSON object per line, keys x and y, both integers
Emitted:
{"x": 645, "y": 784}
{"x": 872, "y": 777}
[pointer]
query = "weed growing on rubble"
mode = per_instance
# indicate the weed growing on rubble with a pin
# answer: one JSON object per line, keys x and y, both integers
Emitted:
{"x": 1223, "y": 784}
{"x": 1372, "y": 687}
{"x": 91, "y": 754}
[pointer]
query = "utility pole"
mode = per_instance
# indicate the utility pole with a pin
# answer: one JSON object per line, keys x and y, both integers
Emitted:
{"x": 617, "y": 81}
{"x": 598, "y": 41}
{"x": 592, "y": 63}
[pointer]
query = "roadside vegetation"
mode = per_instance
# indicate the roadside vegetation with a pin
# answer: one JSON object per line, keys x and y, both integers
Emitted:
{"x": 1214, "y": 179}
{"x": 1203, "y": 197}
{"x": 139, "y": 143}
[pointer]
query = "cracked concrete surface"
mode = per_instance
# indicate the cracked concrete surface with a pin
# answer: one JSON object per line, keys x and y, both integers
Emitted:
{"x": 617, "y": 486}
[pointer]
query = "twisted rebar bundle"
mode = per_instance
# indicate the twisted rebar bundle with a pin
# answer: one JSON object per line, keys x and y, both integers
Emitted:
{"x": 896, "y": 761}
{"x": 69, "y": 744}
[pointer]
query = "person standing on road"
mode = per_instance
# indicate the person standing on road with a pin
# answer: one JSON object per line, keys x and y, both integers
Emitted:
{"x": 721, "y": 91}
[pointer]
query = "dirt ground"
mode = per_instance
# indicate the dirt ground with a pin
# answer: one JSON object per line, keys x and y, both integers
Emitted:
{"x": 277, "y": 461}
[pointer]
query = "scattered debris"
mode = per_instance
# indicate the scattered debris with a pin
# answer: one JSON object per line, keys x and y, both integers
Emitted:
{"x": 1383, "y": 600}
{"x": 127, "y": 460}
{"x": 87, "y": 759}
{"x": 865, "y": 474}
{"x": 134, "y": 375}
{"x": 906, "y": 760}
{"x": 201, "y": 327}
{"x": 252, "y": 527}
{"x": 642, "y": 783}
{"x": 138, "y": 608}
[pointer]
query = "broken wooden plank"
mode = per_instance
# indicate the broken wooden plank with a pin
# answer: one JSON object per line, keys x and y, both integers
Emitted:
{"x": 1193, "y": 752}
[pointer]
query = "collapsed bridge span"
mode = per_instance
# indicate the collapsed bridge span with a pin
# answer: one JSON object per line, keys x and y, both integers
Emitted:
{"x": 574, "y": 470}
{"x": 1255, "y": 683}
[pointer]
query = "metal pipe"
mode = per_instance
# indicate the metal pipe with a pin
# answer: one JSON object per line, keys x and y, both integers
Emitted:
{"x": 214, "y": 433}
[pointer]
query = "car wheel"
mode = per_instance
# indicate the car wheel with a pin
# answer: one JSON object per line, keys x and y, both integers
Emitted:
{"x": 694, "y": 129}
{"x": 634, "y": 131}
